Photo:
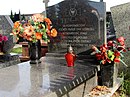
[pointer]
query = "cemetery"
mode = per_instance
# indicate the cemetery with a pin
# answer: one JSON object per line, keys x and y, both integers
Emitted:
{"x": 73, "y": 49}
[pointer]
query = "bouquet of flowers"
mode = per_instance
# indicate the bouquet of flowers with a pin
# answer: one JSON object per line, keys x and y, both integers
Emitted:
{"x": 36, "y": 28}
{"x": 110, "y": 52}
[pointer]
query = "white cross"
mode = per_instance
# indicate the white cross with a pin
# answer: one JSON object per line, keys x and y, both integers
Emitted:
{"x": 46, "y": 4}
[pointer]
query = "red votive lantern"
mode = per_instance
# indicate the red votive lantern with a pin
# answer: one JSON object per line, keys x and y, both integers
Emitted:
{"x": 70, "y": 57}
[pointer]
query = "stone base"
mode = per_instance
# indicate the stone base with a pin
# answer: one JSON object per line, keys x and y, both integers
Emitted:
{"x": 79, "y": 91}
{"x": 108, "y": 75}
{"x": 35, "y": 61}
{"x": 112, "y": 90}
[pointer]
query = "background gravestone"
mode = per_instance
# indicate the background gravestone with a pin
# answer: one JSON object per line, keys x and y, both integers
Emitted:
{"x": 7, "y": 59}
{"x": 110, "y": 27}
{"x": 79, "y": 23}
{"x": 121, "y": 20}
{"x": 6, "y": 25}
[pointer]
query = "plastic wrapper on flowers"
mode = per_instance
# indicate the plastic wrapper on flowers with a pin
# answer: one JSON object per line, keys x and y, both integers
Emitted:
{"x": 110, "y": 52}
{"x": 36, "y": 28}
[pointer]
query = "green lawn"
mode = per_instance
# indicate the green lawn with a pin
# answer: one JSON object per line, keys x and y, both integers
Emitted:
{"x": 17, "y": 50}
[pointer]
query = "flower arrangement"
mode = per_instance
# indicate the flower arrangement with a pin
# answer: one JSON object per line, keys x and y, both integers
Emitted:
{"x": 110, "y": 52}
{"x": 36, "y": 28}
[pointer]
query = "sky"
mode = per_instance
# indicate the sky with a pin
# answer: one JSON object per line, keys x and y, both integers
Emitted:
{"x": 37, "y": 6}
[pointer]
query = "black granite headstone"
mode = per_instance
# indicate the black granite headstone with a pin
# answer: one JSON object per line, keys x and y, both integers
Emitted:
{"x": 79, "y": 23}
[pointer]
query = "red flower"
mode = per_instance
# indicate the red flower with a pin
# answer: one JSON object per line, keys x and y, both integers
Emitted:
{"x": 117, "y": 53}
{"x": 3, "y": 38}
{"x": 110, "y": 52}
{"x": 117, "y": 60}
{"x": 108, "y": 60}
{"x": 103, "y": 62}
{"x": 99, "y": 56}
{"x": 119, "y": 48}
{"x": 120, "y": 39}
{"x": 103, "y": 48}
{"x": 110, "y": 43}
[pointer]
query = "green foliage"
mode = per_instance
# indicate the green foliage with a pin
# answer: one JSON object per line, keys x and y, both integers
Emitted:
{"x": 17, "y": 50}
{"x": 125, "y": 73}
{"x": 11, "y": 16}
{"x": 125, "y": 87}
{"x": 23, "y": 17}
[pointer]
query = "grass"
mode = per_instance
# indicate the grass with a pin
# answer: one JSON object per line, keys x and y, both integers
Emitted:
{"x": 126, "y": 73}
{"x": 17, "y": 50}
{"x": 127, "y": 82}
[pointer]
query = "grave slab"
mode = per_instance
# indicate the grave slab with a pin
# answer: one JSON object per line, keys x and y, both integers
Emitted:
{"x": 51, "y": 78}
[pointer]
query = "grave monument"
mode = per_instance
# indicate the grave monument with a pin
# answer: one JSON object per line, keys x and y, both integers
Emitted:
{"x": 80, "y": 23}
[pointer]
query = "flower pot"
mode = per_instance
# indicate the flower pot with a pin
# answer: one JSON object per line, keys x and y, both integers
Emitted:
{"x": 35, "y": 52}
{"x": 108, "y": 74}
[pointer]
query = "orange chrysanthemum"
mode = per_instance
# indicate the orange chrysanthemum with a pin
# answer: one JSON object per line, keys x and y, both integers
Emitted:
{"x": 53, "y": 32}
{"x": 38, "y": 36}
{"x": 16, "y": 24}
{"x": 29, "y": 38}
{"x": 16, "y": 31}
{"x": 36, "y": 28}
{"x": 29, "y": 31}
{"x": 48, "y": 21}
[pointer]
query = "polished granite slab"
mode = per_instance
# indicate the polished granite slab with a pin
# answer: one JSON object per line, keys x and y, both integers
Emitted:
{"x": 51, "y": 77}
